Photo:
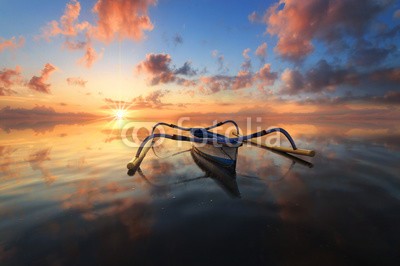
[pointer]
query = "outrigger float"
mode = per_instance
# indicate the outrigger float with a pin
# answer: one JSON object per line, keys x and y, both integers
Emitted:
{"x": 218, "y": 148}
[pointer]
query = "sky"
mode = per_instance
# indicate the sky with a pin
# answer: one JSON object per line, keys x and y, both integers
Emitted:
{"x": 311, "y": 59}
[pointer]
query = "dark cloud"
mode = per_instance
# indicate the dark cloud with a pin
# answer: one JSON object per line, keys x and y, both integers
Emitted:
{"x": 38, "y": 83}
{"x": 244, "y": 79}
{"x": 388, "y": 98}
{"x": 177, "y": 39}
{"x": 321, "y": 77}
{"x": 157, "y": 67}
{"x": 389, "y": 33}
{"x": 396, "y": 14}
{"x": 327, "y": 77}
{"x": 386, "y": 75}
{"x": 365, "y": 54}
{"x": 186, "y": 70}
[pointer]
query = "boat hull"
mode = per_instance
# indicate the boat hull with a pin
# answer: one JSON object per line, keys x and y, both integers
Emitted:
{"x": 223, "y": 155}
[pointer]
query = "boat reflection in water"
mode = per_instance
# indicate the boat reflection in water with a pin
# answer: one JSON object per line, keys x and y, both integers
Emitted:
{"x": 217, "y": 163}
{"x": 221, "y": 169}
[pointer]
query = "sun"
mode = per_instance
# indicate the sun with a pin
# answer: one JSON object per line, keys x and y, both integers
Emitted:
{"x": 119, "y": 114}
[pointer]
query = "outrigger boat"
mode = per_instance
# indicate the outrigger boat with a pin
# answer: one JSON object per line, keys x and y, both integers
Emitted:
{"x": 216, "y": 147}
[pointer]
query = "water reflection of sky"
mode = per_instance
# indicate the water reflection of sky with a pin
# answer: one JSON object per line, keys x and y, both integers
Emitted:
{"x": 65, "y": 197}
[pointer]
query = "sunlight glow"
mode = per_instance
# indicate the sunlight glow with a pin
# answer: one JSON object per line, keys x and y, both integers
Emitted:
{"x": 119, "y": 114}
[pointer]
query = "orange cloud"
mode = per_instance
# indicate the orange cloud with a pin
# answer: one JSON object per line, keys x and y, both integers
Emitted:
{"x": 265, "y": 76}
{"x": 11, "y": 43}
{"x": 297, "y": 23}
{"x": 9, "y": 78}
{"x": 261, "y": 51}
{"x": 151, "y": 101}
{"x": 39, "y": 83}
{"x": 68, "y": 24}
{"x": 89, "y": 57}
{"x": 123, "y": 19}
{"x": 76, "y": 81}
{"x": 244, "y": 79}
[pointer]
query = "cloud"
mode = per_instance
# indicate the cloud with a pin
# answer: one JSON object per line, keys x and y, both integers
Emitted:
{"x": 214, "y": 84}
{"x": 297, "y": 23}
{"x": 123, "y": 19}
{"x": 327, "y": 77}
{"x": 38, "y": 83}
{"x": 186, "y": 70}
{"x": 386, "y": 75}
{"x": 152, "y": 100}
{"x": 71, "y": 29}
{"x": 246, "y": 65}
{"x": 388, "y": 33}
{"x": 220, "y": 60}
{"x": 396, "y": 14}
{"x": 116, "y": 20}
{"x": 321, "y": 77}
{"x": 245, "y": 53}
{"x": 157, "y": 68}
{"x": 254, "y": 17}
{"x": 68, "y": 24}
{"x": 39, "y": 113}
{"x": 74, "y": 45}
{"x": 293, "y": 81}
{"x": 370, "y": 56}
{"x": 265, "y": 76}
{"x": 244, "y": 79}
{"x": 261, "y": 51}
{"x": 177, "y": 39}
{"x": 11, "y": 43}
{"x": 76, "y": 81}
{"x": 89, "y": 57}
{"x": 388, "y": 98}
{"x": 9, "y": 78}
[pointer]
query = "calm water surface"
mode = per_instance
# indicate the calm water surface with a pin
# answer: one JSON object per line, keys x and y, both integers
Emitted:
{"x": 66, "y": 198}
